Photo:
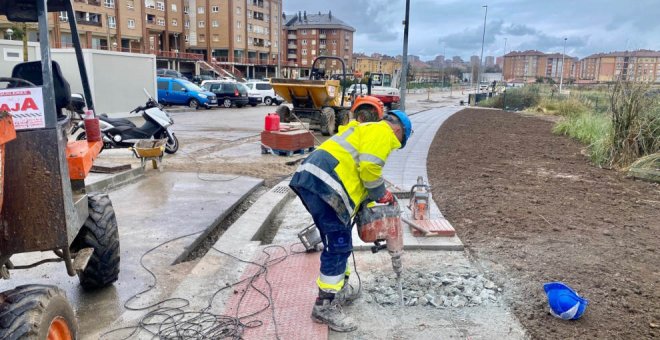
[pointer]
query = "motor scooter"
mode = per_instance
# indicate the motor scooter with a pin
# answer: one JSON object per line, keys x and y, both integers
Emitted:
{"x": 122, "y": 133}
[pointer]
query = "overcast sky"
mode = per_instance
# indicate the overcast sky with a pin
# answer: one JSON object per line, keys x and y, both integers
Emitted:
{"x": 591, "y": 26}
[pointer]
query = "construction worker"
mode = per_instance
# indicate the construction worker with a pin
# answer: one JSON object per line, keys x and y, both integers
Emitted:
{"x": 332, "y": 182}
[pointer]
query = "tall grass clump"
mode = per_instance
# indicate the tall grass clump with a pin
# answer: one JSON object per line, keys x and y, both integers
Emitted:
{"x": 635, "y": 122}
{"x": 514, "y": 99}
{"x": 591, "y": 129}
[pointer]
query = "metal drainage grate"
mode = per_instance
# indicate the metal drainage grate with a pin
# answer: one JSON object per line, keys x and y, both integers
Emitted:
{"x": 281, "y": 189}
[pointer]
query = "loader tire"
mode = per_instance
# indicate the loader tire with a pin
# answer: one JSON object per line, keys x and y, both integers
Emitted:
{"x": 99, "y": 232}
{"x": 284, "y": 112}
{"x": 327, "y": 121}
{"x": 36, "y": 312}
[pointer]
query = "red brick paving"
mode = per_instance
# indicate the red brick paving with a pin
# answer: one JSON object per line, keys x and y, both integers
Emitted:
{"x": 293, "y": 292}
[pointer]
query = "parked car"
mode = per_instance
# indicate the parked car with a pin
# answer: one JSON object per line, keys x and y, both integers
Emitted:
{"x": 174, "y": 91}
{"x": 388, "y": 95}
{"x": 254, "y": 97}
{"x": 266, "y": 91}
{"x": 198, "y": 79}
{"x": 165, "y": 72}
{"x": 228, "y": 93}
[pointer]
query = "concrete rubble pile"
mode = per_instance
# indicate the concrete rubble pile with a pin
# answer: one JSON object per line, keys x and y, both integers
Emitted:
{"x": 434, "y": 289}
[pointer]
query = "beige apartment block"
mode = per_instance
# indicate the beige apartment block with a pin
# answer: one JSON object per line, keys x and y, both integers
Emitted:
{"x": 376, "y": 63}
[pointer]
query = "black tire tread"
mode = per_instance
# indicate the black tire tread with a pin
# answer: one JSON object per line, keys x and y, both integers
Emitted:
{"x": 24, "y": 308}
{"x": 327, "y": 121}
{"x": 101, "y": 233}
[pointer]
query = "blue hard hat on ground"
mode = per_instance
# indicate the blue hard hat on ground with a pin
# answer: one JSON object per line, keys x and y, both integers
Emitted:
{"x": 564, "y": 302}
{"x": 407, "y": 125}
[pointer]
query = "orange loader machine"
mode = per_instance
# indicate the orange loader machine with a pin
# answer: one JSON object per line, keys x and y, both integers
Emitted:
{"x": 320, "y": 100}
{"x": 44, "y": 206}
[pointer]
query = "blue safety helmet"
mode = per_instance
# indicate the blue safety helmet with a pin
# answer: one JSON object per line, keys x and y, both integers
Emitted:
{"x": 564, "y": 302}
{"x": 406, "y": 124}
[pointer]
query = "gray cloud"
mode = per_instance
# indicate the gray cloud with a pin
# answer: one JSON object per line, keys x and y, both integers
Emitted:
{"x": 457, "y": 25}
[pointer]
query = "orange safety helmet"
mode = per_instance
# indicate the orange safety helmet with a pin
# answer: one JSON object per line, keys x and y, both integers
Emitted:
{"x": 367, "y": 109}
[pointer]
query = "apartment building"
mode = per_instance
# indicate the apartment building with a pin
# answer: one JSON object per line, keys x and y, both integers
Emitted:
{"x": 308, "y": 36}
{"x": 241, "y": 34}
{"x": 640, "y": 65}
{"x": 376, "y": 63}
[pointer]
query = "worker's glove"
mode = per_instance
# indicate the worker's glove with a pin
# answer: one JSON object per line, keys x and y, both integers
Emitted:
{"x": 388, "y": 198}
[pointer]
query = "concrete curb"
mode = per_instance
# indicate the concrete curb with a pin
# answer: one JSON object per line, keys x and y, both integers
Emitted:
{"x": 241, "y": 239}
{"x": 215, "y": 223}
{"x": 116, "y": 180}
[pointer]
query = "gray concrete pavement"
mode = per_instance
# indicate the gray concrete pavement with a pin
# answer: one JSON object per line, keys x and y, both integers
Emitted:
{"x": 158, "y": 208}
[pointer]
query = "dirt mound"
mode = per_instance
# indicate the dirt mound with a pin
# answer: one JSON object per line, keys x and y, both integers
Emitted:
{"x": 531, "y": 208}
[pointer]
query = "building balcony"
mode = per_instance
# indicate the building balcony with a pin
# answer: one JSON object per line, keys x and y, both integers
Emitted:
{"x": 292, "y": 46}
{"x": 322, "y": 36}
{"x": 291, "y": 36}
{"x": 323, "y": 46}
{"x": 89, "y": 23}
{"x": 291, "y": 56}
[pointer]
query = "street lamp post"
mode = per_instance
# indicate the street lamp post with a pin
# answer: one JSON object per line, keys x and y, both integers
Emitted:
{"x": 404, "y": 60}
{"x": 483, "y": 38}
{"x": 9, "y": 32}
{"x": 561, "y": 77}
{"x": 504, "y": 62}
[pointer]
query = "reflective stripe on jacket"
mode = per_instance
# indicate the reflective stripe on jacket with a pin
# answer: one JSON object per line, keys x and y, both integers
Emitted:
{"x": 347, "y": 168}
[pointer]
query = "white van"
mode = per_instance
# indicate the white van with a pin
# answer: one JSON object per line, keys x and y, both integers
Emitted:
{"x": 266, "y": 91}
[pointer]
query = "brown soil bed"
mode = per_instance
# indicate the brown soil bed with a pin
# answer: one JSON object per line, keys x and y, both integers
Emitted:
{"x": 531, "y": 209}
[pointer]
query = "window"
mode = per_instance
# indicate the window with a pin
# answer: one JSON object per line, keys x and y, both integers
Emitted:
{"x": 303, "y": 32}
{"x": 149, "y": 4}
{"x": 163, "y": 85}
{"x": 131, "y": 23}
{"x": 109, "y": 3}
{"x": 304, "y": 61}
{"x": 313, "y": 42}
{"x": 200, "y": 10}
{"x": 215, "y": 23}
{"x": 304, "y": 42}
{"x": 202, "y": 38}
{"x": 201, "y": 24}
{"x": 333, "y": 31}
{"x": 249, "y": 14}
{"x": 177, "y": 87}
{"x": 64, "y": 17}
{"x": 238, "y": 10}
{"x": 174, "y": 8}
{"x": 161, "y": 22}
{"x": 187, "y": 23}
{"x": 112, "y": 21}
{"x": 313, "y": 52}
{"x": 160, "y": 6}
{"x": 186, "y": 9}
{"x": 334, "y": 43}
{"x": 186, "y": 37}
{"x": 130, "y": 4}
{"x": 238, "y": 24}
{"x": 304, "y": 51}
{"x": 175, "y": 22}
{"x": 238, "y": 38}
{"x": 215, "y": 9}
{"x": 249, "y": 27}
{"x": 216, "y": 37}
{"x": 266, "y": 87}
{"x": 313, "y": 32}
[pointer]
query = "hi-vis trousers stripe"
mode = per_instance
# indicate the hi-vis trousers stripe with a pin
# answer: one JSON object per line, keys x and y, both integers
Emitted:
{"x": 327, "y": 179}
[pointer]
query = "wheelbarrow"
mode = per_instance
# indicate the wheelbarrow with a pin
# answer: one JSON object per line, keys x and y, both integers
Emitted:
{"x": 150, "y": 150}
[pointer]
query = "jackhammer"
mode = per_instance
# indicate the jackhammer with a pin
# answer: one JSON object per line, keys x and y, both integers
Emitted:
{"x": 380, "y": 223}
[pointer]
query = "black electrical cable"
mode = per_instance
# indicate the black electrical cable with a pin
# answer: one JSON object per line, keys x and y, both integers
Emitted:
{"x": 168, "y": 319}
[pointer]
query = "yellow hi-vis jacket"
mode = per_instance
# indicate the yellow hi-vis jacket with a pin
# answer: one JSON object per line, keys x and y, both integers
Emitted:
{"x": 347, "y": 168}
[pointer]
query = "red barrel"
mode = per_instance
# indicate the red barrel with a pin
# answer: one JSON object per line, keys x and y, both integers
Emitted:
{"x": 272, "y": 122}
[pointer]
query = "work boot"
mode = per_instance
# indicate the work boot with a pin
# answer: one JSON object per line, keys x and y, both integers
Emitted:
{"x": 347, "y": 294}
{"x": 328, "y": 311}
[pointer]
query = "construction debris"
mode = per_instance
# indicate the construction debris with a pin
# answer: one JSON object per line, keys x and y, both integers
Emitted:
{"x": 435, "y": 289}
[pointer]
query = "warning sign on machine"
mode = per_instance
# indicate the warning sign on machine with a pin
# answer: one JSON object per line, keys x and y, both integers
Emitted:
{"x": 26, "y": 105}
